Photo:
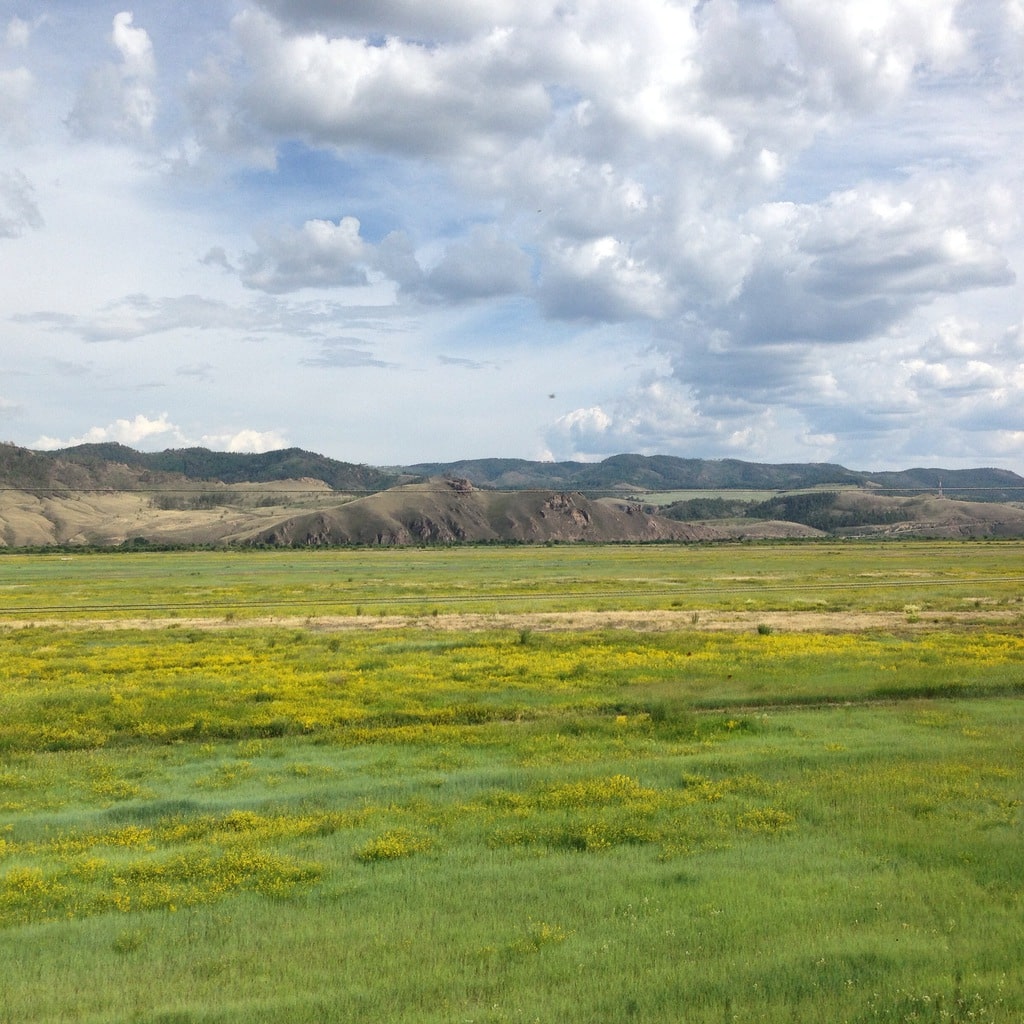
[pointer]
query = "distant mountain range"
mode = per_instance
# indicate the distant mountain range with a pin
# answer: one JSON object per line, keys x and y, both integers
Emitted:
{"x": 114, "y": 465}
{"x": 669, "y": 473}
{"x": 109, "y": 494}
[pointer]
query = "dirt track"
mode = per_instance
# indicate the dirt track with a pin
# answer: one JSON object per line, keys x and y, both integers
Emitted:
{"x": 640, "y": 621}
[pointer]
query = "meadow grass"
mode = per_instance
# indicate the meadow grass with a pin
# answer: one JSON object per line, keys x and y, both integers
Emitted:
{"x": 864, "y": 865}
{"x": 932, "y": 576}
{"x": 289, "y": 825}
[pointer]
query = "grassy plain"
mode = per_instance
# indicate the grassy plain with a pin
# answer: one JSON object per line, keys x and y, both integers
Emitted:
{"x": 937, "y": 576}
{"x": 729, "y": 494}
{"x": 205, "y": 818}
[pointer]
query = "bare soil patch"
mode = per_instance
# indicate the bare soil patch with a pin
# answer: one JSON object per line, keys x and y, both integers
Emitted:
{"x": 578, "y": 621}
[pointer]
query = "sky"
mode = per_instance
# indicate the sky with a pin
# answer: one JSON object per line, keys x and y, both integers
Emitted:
{"x": 393, "y": 231}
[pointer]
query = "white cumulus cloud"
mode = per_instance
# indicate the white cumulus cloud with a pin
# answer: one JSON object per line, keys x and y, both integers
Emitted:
{"x": 140, "y": 429}
{"x": 320, "y": 253}
{"x": 153, "y": 433}
{"x": 18, "y": 208}
{"x": 117, "y": 101}
{"x": 255, "y": 441}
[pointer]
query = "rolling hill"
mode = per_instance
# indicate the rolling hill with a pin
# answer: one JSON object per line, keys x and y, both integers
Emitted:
{"x": 637, "y": 473}
{"x": 110, "y": 494}
{"x": 453, "y": 511}
{"x": 115, "y": 465}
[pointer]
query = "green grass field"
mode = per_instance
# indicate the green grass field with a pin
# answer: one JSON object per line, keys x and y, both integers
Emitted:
{"x": 214, "y": 820}
{"x": 835, "y": 576}
{"x": 729, "y": 494}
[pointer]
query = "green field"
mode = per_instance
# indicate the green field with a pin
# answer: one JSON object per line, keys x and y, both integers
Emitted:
{"x": 728, "y": 494}
{"x": 296, "y": 787}
{"x": 937, "y": 576}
